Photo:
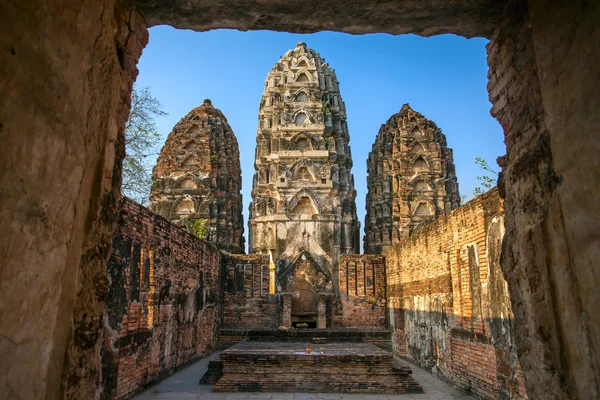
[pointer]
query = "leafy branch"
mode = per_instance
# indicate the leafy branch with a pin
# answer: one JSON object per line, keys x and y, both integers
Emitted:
{"x": 141, "y": 139}
{"x": 486, "y": 182}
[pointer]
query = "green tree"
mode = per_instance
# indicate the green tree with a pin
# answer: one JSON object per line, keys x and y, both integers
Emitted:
{"x": 486, "y": 182}
{"x": 141, "y": 140}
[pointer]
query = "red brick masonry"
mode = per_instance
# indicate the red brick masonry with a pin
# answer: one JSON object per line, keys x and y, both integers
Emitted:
{"x": 162, "y": 306}
{"x": 448, "y": 301}
{"x": 284, "y": 367}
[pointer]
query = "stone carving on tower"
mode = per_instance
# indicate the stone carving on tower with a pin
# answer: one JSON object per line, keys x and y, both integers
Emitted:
{"x": 303, "y": 210}
{"x": 411, "y": 179}
{"x": 198, "y": 176}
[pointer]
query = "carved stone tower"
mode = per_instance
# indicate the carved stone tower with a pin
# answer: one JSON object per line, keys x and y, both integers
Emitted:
{"x": 198, "y": 176}
{"x": 303, "y": 208}
{"x": 411, "y": 181}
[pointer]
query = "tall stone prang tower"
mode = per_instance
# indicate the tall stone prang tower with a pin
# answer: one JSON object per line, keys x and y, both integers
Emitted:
{"x": 411, "y": 179}
{"x": 303, "y": 206}
{"x": 198, "y": 176}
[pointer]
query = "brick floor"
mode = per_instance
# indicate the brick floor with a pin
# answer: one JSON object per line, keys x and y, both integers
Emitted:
{"x": 184, "y": 386}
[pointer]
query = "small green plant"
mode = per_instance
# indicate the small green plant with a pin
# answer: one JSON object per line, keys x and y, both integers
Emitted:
{"x": 326, "y": 143}
{"x": 485, "y": 182}
{"x": 199, "y": 228}
{"x": 325, "y": 108}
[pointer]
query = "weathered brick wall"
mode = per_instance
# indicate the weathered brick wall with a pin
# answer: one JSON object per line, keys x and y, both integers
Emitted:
{"x": 361, "y": 303}
{"x": 247, "y": 303}
{"x": 162, "y": 308}
{"x": 543, "y": 84}
{"x": 448, "y": 301}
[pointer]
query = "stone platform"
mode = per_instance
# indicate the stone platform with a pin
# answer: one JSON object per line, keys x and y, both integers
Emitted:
{"x": 284, "y": 367}
{"x": 229, "y": 337}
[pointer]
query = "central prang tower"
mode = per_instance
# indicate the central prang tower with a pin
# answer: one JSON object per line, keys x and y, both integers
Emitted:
{"x": 303, "y": 209}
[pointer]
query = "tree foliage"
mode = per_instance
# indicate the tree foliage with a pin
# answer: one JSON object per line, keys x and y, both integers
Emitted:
{"x": 141, "y": 140}
{"x": 199, "y": 228}
{"x": 486, "y": 182}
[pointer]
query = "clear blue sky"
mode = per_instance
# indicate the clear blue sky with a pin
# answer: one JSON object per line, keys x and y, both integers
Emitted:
{"x": 442, "y": 77}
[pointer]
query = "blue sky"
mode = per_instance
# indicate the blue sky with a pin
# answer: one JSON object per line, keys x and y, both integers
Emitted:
{"x": 442, "y": 77}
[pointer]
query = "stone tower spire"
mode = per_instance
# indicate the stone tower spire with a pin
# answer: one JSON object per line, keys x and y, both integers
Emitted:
{"x": 198, "y": 176}
{"x": 303, "y": 197}
{"x": 411, "y": 181}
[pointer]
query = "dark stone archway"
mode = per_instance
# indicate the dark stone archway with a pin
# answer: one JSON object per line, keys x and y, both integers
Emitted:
{"x": 66, "y": 71}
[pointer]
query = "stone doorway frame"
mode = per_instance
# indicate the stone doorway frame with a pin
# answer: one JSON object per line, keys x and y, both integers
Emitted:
{"x": 68, "y": 69}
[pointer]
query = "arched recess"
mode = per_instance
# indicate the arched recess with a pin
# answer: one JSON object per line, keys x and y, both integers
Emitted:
{"x": 304, "y": 202}
{"x": 421, "y": 185}
{"x": 301, "y": 167}
{"x": 304, "y": 174}
{"x": 419, "y": 164}
{"x": 190, "y": 145}
{"x": 302, "y": 62}
{"x": 301, "y": 98}
{"x": 302, "y": 117}
{"x": 185, "y": 205}
{"x": 423, "y": 210}
{"x": 421, "y": 182}
{"x": 303, "y": 142}
{"x": 303, "y": 76}
{"x": 187, "y": 182}
{"x": 495, "y": 294}
{"x": 188, "y": 161}
{"x": 304, "y": 206}
{"x": 416, "y": 148}
{"x": 416, "y": 133}
{"x": 422, "y": 207}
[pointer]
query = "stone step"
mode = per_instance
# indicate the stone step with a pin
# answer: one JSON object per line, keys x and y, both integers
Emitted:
{"x": 213, "y": 373}
{"x": 306, "y": 335}
{"x": 285, "y": 367}
{"x": 398, "y": 367}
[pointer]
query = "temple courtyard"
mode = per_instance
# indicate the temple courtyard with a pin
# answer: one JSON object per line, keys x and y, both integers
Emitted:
{"x": 183, "y": 385}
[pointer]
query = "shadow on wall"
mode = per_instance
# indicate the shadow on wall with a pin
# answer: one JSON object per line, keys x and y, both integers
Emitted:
{"x": 476, "y": 355}
{"x": 448, "y": 302}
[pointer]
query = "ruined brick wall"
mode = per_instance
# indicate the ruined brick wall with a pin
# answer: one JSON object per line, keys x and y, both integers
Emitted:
{"x": 162, "y": 309}
{"x": 448, "y": 301}
{"x": 247, "y": 303}
{"x": 361, "y": 301}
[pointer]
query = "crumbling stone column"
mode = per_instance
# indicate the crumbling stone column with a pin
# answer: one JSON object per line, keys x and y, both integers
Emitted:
{"x": 322, "y": 311}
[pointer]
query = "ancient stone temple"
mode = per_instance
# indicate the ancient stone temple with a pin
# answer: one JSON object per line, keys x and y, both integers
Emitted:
{"x": 411, "y": 181}
{"x": 198, "y": 177}
{"x": 303, "y": 211}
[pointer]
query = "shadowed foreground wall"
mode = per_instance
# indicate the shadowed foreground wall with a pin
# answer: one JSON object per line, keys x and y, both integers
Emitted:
{"x": 162, "y": 309}
{"x": 448, "y": 301}
{"x": 66, "y": 72}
